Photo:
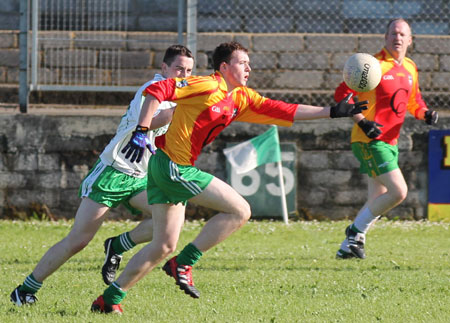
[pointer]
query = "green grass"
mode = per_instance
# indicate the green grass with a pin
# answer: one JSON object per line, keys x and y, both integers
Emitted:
{"x": 266, "y": 272}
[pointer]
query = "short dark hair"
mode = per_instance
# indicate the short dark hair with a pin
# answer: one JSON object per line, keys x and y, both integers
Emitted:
{"x": 397, "y": 19}
{"x": 223, "y": 53}
{"x": 176, "y": 50}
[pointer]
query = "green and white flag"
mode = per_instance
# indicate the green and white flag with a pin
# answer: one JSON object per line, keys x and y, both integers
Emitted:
{"x": 257, "y": 151}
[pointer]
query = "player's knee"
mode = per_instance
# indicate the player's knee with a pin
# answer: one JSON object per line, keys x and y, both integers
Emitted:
{"x": 168, "y": 248}
{"x": 244, "y": 212}
{"x": 400, "y": 193}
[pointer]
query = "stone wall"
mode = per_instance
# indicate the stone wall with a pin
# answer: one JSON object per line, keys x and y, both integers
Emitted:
{"x": 292, "y": 67}
{"x": 44, "y": 157}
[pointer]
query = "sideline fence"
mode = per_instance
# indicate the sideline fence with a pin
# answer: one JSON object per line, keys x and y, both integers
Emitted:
{"x": 85, "y": 45}
{"x": 78, "y": 45}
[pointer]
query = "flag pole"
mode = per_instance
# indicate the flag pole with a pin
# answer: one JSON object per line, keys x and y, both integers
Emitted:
{"x": 283, "y": 193}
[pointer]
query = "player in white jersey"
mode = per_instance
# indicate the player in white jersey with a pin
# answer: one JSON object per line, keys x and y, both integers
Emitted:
{"x": 113, "y": 180}
{"x": 112, "y": 156}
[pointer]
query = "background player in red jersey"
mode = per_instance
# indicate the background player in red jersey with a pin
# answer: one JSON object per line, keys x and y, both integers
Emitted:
{"x": 374, "y": 136}
{"x": 205, "y": 106}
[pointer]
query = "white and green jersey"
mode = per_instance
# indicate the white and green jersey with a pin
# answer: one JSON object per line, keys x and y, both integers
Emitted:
{"x": 112, "y": 155}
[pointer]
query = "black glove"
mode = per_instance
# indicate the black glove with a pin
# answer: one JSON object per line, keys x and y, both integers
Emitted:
{"x": 137, "y": 144}
{"x": 370, "y": 128}
{"x": 431, "y": 117}
{"x": 345, "y": 109}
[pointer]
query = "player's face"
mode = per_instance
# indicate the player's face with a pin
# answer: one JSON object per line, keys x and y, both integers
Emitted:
{"x": 398, "y": 38}
{"x": 236, "y": 73}
{"x": 181, "y": 67}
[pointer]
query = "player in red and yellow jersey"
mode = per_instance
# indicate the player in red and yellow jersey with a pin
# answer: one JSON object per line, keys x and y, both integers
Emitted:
{"x": 397, "y": 93}
{"x": 376, "y": 131}
{"x": 205, "y": 106}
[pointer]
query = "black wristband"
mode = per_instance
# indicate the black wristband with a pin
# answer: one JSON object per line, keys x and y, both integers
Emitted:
{"x": 362, "y": 122}
{"x": 333, "y": 112}
{"x": 142, "y": 129}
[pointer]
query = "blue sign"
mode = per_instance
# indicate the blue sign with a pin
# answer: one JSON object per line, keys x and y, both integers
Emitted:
{"x": 439, "y": 175}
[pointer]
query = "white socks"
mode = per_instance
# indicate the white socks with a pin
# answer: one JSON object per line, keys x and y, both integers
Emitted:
{"x": 344, "y": 246}
{"x": 363, "y": 220}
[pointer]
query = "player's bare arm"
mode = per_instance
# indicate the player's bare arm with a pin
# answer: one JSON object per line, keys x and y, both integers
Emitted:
{"x": 148, "y": 110}
{"x": 164, "y": 117}
{"x": 340, "y": 110}
{"x": 308, "y": 112}
{"x": 358, "y": 117}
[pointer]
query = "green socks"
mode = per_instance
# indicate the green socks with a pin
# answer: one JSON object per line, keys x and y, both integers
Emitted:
{"x": 30, "y": 285}
{"x": 122, "y": 243}
{"x": 189, "y": 255}
{"x": 114, "y": 294}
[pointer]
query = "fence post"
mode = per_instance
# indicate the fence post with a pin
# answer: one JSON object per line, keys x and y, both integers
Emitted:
{"x": 180, "y": 21}
{"x": 191, "y": 30}
{"x": 34, "y": 44}
{"x": 23, "y": 56}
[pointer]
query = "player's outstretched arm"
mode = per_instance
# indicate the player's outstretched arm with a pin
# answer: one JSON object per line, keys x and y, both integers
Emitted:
{"x": 342, "y": 109}
{"x": 309, "y": 112}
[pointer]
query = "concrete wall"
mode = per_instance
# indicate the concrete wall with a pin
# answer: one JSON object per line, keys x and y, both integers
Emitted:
{"x": 45, "y": 156}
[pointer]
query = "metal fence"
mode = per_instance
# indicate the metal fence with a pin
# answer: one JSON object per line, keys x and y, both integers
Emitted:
{"x": 80, "y": 42}
{"x": 320, "y": 16}
{"x": 273, "y": 59}
{"x": 79, "y": 45}
{"x": 80, "y": 61}
{"x": 84, "y": 45}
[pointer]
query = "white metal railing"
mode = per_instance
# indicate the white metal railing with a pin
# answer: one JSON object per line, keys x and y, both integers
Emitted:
{"x": 78, "y": 45}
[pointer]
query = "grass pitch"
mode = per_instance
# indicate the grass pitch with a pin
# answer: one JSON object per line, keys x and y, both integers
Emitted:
{"x": 266, "y": 272}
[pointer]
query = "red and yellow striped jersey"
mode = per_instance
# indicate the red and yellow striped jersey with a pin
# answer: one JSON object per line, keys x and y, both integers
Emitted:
{"x": 397, "y": 92}
{"x": 205, "y": 108}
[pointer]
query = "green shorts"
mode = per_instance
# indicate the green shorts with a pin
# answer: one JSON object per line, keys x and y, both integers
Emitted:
{"x": 376, "y": 157}
{"x": 172, "y": 183}
{"x": 106, "y": 185}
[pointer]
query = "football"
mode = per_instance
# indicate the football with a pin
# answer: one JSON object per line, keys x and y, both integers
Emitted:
{"x": 362, "y": 72}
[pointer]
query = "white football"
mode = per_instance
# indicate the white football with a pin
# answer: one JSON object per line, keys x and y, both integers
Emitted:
{"x": 362, "y": 72}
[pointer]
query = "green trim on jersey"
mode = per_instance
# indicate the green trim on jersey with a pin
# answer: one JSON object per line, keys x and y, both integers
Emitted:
{"x": 169, "y": 182}
{"x": 106, "y": 185}
{"x": 376, "y": 157}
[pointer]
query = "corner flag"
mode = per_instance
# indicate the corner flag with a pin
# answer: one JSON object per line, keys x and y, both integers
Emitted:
{"x": 257, "y": 151}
